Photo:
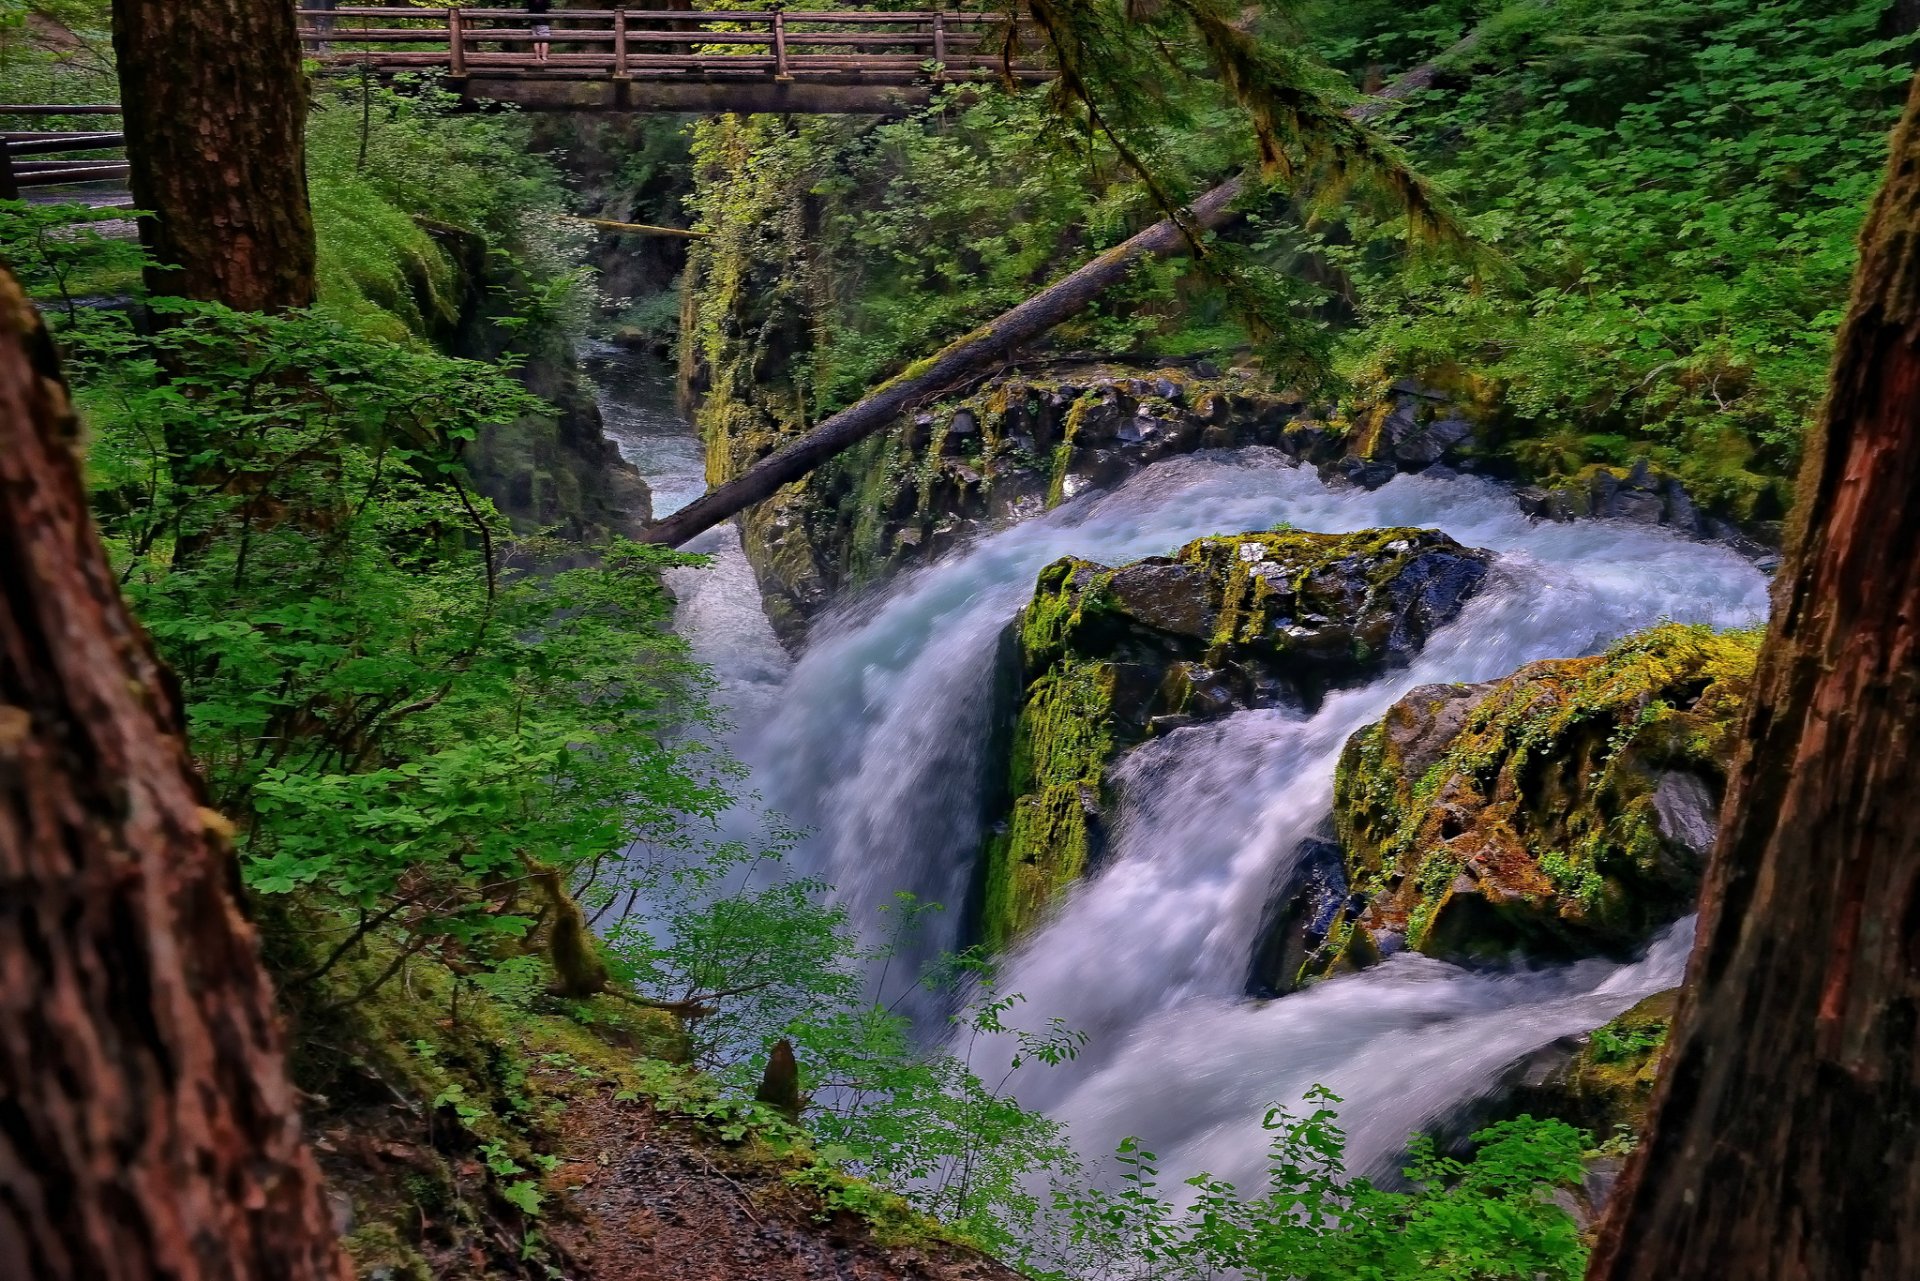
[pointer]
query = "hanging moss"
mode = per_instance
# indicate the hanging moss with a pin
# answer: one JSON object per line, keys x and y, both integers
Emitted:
{"x": 1526, "y": 813}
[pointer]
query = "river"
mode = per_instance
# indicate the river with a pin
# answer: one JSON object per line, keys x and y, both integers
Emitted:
{"x": 877, "y": 739}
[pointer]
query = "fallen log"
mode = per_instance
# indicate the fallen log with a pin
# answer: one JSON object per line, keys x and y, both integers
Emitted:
{"x": 996, "y": 340}
{"x": 644, "y": 229}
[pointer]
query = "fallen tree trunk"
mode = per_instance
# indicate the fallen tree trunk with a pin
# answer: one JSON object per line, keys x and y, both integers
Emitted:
{"x": 996, "y": 340}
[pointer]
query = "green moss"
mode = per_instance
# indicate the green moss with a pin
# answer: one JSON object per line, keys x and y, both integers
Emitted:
{"x": 1608, "y": 1087}
{"x": 1545, "y": 793}
{"x": 377, "y": 267}
{"x": 1109, "y": 654}
{"x": 1300, "y": 572}
{"x": 1061, "y": 746}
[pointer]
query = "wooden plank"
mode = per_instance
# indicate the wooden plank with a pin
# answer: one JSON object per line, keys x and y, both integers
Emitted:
{"x": 44, "y": 144}
{"x": 380, "y": 35}
{"x": 801, "y": 64}
{"x": 64, "y": 177}
{"x": 869, "y": 96}
{"x": 644, "y": 35}
{"x": 55, "y": 166}
{"x": 904, "y": 17}
{"x": 58, "y": 109}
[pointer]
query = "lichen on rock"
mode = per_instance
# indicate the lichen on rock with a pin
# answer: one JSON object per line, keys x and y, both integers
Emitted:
{"x": 1111, "y": 656}
{"x": 1563, "y": 810}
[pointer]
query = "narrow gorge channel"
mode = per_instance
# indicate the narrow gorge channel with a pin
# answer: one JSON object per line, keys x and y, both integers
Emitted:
{"x": 879, "y": 740}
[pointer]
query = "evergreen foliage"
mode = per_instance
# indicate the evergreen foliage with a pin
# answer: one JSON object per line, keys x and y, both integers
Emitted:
{"x": 448, "y": 749}
{"x": 1678, "y": 185}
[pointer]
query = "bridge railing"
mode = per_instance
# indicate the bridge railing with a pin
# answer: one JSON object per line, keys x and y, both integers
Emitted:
{"x": 658, "y": 43}
{"x": 58, "y": 157}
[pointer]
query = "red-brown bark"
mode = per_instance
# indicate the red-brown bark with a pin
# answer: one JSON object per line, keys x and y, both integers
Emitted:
{"x": 147, "y": 1125}
{"x": 1785, "y": 1142}
{"x": 215, "y": 102}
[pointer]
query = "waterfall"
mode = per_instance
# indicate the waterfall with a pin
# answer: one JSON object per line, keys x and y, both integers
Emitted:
{"x": 877, "y": 739}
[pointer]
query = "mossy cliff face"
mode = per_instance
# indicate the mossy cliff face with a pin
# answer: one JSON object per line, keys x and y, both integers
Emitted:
{"x": 751, "y": 294}
{"x": 1027, "y": 441}
{"x": 1019, "y": 445}
{"x": 1111, "y": 656}
{"x": 1564, "y": 810}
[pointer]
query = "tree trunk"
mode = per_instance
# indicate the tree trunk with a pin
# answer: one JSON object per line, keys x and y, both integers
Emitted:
{"x": 147, "y": 1126}
{"x": 215, "y": 104}
{"x": 1785, "y": 1141}
{"x": 996, "y": 340}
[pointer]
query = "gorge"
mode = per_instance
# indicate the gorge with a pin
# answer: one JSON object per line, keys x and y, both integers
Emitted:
{"x": 886, "y": 737}
{"x": 1256, "y": 696}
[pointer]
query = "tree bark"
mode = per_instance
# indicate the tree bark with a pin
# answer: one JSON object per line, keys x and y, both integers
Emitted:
{"x": 1785, "y": 1140}
{"x": 147, "y": 1125}
{"x": 996, "y": 340}
{"x": 215, "y": 104}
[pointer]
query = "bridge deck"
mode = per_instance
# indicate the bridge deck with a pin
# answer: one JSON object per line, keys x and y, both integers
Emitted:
{"x": 668, "y": 60}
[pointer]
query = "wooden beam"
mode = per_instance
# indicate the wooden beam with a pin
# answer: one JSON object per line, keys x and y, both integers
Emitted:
{"x": 53, "y": 144}
{"x": 60, "y": 109}
{"x": 871, "y": 96}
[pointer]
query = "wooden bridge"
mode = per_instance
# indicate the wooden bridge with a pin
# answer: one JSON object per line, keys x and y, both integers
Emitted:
{"x": 852, "y": 61}
{"x": 58, "y": 157}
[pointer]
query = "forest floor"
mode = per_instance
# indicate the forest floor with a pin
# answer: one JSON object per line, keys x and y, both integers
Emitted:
{"x": 654, "y": 1200}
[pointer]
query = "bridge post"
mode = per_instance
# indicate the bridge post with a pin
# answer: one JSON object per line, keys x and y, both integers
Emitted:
{"x": 780, "y": 46}
{"x": 940, "y": 39}
{"x": 456, "y": 44}
{"x": 620, "y": 45}
{"x": 322, "y": 24}
{"x": 9, "y": 185}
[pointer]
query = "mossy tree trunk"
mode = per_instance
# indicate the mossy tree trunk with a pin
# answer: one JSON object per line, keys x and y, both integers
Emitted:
{"x": 215, "y": 103}
{"x": 147, "y": 1125}
{"x": 1785, "y": 1142}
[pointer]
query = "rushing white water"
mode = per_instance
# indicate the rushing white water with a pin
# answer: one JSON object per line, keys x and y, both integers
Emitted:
{"x": 879, "y": 742}
{"x": 719, "y": 605}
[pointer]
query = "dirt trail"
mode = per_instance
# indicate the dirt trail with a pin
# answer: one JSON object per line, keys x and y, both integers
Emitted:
{"x": 656, "y": 1202}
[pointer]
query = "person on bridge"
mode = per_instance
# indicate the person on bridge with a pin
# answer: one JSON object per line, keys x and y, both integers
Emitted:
{"x": 542, "y": 30}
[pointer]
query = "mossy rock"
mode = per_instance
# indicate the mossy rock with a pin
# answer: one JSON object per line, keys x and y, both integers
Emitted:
{"x": 1601, "y": 1082}
{"x": 1111, "y": 656}
{"x": 1564, "y": 810}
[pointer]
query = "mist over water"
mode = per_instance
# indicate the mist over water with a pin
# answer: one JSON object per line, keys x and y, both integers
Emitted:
{"x": 877, "y": 739}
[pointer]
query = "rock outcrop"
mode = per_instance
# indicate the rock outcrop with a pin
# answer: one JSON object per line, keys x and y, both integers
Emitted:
{"x": 1110, "y": 656}
{"x": 1601, "y": 1081}
{"x": 1564, "y": 810}
{"x": 1015, "y": 447}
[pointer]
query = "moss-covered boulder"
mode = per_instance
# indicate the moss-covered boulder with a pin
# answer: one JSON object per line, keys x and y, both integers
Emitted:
{"x": 1110, "y": 656}
{"x": 1602, "y": 1081}
{"x": 1564, "y": 810}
